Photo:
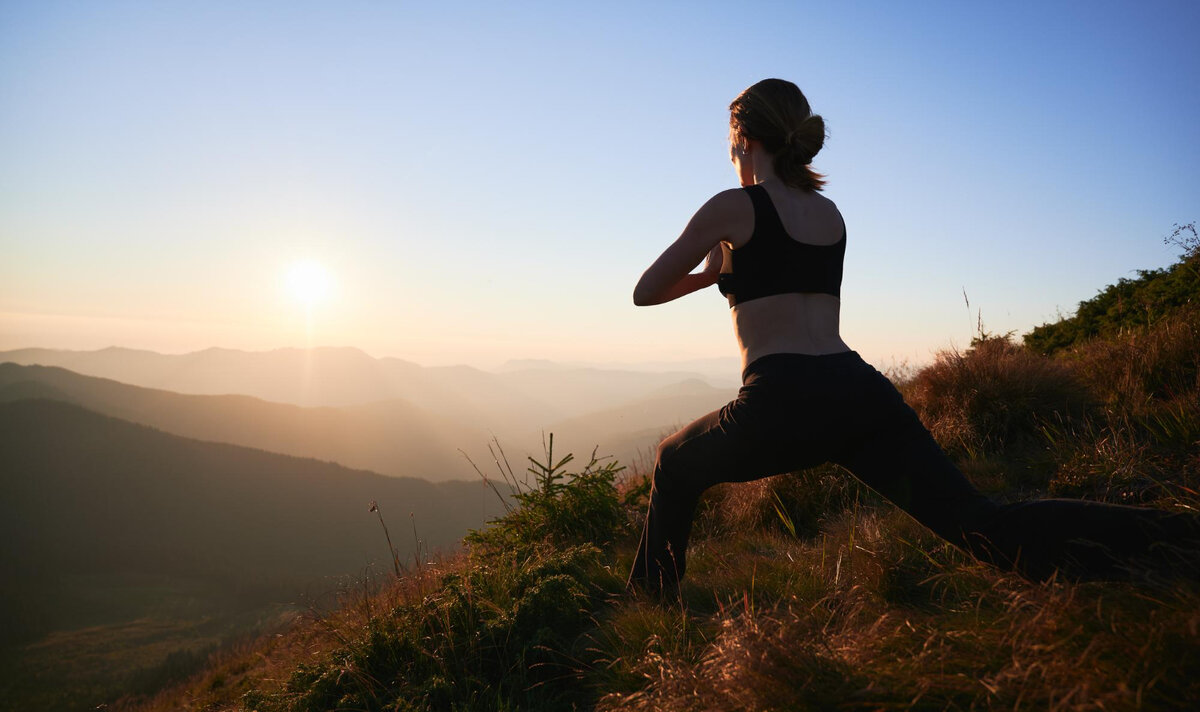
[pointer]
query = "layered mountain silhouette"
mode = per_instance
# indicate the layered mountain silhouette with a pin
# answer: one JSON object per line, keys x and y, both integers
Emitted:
{"x": 391, "y": 437}
{"x": 523, "y": 397}
{"x": 385, "y": 415}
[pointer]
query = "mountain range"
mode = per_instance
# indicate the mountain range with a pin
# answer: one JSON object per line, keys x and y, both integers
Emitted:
{"x": 386, "y": 415}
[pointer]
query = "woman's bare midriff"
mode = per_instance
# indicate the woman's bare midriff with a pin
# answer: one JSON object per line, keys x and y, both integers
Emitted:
{"x": 797, "y": 323}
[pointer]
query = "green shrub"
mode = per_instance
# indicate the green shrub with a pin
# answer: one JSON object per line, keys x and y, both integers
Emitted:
{"x": 561, "y": 509}
{"x": 1128, "y": 304}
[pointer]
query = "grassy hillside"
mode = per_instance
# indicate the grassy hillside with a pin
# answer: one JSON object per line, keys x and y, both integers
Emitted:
{"x": 82, "y": 490}
{"x": 805, "y": 591}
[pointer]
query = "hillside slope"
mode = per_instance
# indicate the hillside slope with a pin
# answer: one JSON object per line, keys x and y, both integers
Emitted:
{"x": 127, "y": 553}
{"x": 83, "y": 492}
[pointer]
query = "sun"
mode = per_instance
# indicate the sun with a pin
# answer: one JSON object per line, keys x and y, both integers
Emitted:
{"x": 308, "y": 282}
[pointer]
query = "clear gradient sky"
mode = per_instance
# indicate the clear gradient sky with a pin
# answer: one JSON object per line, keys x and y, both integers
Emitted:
{"x": 486, "y": 181}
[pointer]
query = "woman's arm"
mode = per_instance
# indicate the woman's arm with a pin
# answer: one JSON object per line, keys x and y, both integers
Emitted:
{"x": 723, "y": 217}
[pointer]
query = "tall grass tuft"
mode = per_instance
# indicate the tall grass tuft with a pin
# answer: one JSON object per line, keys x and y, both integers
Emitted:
{"x": 993, "y": 397}
{"x": 796, "y": 503}
{"x": 1139, "y": 367}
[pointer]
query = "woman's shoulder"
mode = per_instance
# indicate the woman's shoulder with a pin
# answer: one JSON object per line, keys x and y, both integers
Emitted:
{"x": 729, "y": 213}
{"x": 729, "y": 207}
{"x": 731, "y": 198}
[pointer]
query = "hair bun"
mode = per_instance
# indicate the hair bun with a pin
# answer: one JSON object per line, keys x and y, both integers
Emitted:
{"x": 808, "y": 138}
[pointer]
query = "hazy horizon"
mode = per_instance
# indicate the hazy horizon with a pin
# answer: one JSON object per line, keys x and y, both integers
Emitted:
{"x": 721, "y": 368}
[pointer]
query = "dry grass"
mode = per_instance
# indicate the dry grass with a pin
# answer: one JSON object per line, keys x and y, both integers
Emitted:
{"x": 964, "y": 637}
{"x": 993, "y": 397}
{"x": 794, "y": 504}
{"x": 1140, "y": 366}
{"x": 265, "y": 664}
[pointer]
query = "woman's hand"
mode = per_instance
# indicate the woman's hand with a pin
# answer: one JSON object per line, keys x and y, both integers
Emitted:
{"x": 715, "y": 261}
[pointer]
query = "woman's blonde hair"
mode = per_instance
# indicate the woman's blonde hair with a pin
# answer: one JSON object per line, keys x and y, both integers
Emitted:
{"x": 775, "y": 113}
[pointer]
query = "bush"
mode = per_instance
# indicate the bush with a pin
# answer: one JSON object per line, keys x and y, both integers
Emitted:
{"x": 561, "y": 509}
{"x": 488, "y": 638}
{"x": 994, "y": 397}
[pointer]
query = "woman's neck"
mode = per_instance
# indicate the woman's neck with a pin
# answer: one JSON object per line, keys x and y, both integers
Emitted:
{"x": 763, "y": 164}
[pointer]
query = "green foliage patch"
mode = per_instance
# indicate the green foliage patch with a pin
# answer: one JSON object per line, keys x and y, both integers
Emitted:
{"x": 1130, "y": 303}
{"x": 560, "y": 508}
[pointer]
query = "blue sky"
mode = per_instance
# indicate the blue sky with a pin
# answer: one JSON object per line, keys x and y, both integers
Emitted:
{"x": 486, "y": 181}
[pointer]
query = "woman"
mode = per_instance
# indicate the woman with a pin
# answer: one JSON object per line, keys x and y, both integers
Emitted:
{"x": 775, "y": 249}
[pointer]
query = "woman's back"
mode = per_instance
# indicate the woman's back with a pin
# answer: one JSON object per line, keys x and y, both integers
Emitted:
{"x": 805, "y": 322}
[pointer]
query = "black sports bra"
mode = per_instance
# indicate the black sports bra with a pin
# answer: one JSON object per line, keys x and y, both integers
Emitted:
{"x": 772, "y": 263}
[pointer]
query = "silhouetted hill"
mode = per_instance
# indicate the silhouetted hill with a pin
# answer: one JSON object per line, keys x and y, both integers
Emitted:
{"x": 19, "y": 389}
{"x": 82, "y": 492}
{"x": 391, "y": 437}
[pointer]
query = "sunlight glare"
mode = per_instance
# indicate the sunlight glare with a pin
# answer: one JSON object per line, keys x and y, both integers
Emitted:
{"x": 308, "y": 282}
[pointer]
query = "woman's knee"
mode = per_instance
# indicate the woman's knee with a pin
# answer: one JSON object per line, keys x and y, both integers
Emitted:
{"x": 674, "y": 467}
{"x": 666, "y": 460}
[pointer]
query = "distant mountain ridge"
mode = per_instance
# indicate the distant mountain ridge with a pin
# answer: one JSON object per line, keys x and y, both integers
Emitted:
{"x": 388, "y": 408}
{"x": 390, "y": 437}
{"x": 309, "y": 377}
{"x": 512, "y": 402}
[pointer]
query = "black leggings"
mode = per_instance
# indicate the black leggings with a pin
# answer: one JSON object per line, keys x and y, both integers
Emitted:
{"x": 797, "y": 411}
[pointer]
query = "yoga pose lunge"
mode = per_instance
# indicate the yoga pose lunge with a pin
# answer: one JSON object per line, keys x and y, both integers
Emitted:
{"x": 774, "y": 247}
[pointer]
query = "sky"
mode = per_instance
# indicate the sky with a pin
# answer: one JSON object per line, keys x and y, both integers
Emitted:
{"x": 481, "y": 182}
